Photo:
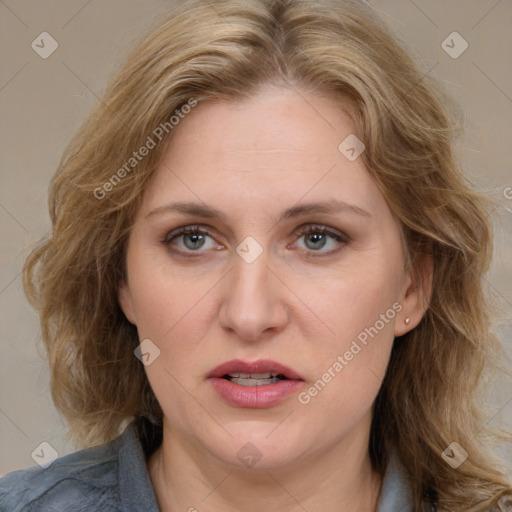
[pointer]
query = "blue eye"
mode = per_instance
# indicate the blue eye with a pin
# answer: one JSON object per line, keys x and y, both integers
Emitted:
{"x": 192, "y": 237}
{"x": 316, "y": 238}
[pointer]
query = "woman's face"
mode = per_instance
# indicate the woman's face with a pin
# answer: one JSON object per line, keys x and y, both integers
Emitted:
{"x": 296, "y": 261}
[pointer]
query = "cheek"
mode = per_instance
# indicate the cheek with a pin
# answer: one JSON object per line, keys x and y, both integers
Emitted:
{"x": 171, "y": 313}
{"x": 165, "y": 298}
{"x": 360, "y": 308}
{"x": 355, "y": 297}
{"x": 350, "y": 371}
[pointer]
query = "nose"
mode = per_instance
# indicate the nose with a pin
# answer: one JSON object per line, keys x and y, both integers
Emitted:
{"x": 254, "y": 301}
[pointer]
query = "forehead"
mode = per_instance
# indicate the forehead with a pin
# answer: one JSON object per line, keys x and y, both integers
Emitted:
{"x": 272, "y": 150}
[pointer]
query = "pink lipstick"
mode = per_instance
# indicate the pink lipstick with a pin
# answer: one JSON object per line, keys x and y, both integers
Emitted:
{"x": 257, "y": 385}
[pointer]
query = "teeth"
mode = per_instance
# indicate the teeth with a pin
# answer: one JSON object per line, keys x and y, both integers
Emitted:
{"x": 254, "y": 379}
{"x": 267, "y": 375}
{"x": 244, "y": 381}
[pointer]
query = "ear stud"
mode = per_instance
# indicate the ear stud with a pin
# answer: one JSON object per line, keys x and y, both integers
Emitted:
{"x": 407, "y": 321}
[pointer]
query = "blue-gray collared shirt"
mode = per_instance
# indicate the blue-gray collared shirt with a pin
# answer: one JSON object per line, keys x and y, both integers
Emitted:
{"x": 114, "y": 478}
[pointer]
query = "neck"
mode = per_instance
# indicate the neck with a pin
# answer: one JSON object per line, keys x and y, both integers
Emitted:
{"x": 339, "y": 480}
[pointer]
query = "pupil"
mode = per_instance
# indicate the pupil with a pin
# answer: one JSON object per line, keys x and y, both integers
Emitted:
{"x": 194, "y": 244}
{"x": 317, "y": 237}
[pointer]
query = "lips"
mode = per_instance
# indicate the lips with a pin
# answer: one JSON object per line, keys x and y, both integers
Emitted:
{"x": 260, "y": 367}
{"x": 257, "y": 385}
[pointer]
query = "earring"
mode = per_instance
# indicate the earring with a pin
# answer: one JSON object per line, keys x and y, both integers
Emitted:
{"x": 407, "y": 320}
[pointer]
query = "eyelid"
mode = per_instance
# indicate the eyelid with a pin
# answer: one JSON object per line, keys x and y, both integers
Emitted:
{"x": 307, "y": 228}
{"x": 323, "y": 229}
{"x": 183, "y": 230}
{"x": 342, "y": 239}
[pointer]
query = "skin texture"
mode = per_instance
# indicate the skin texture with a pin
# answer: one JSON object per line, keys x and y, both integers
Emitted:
{"x": 295, "y": 304}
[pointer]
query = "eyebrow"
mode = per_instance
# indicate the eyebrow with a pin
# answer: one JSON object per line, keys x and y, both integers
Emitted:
{"x": 203, "y": 210}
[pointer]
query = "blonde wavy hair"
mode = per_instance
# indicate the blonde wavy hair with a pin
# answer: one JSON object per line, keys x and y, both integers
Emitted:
{"x": 431, "y": 394}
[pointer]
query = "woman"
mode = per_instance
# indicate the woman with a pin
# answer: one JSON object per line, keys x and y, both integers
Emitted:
{"x": 264, "y": 253}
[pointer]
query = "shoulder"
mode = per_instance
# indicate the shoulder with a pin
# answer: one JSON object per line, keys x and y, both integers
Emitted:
{"x": 396, "y": 492}
{"x": 86, "y": 480}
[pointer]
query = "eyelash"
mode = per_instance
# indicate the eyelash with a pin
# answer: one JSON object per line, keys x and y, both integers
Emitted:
{"x": 304, "y": 230}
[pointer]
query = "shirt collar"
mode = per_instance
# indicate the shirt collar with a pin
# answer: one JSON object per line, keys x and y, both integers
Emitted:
{"x": 396, "y": 494}
{"x": 135, "y": 487}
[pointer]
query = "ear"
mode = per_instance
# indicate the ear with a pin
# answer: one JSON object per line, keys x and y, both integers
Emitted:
{"x": 124, "y": 297}
{"x": 416, "y": 294}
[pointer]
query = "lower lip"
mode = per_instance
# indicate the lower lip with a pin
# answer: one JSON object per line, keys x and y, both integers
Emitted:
{"x": 255, "y": 397}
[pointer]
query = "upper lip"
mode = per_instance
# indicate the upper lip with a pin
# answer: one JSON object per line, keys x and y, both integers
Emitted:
{"x": 260, "y": 366}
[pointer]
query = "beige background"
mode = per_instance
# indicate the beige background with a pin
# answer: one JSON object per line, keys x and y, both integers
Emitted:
{"x": 43, "y": 101}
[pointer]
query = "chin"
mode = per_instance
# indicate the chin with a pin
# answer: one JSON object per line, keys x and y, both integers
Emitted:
{"x": 259, "y": 446}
